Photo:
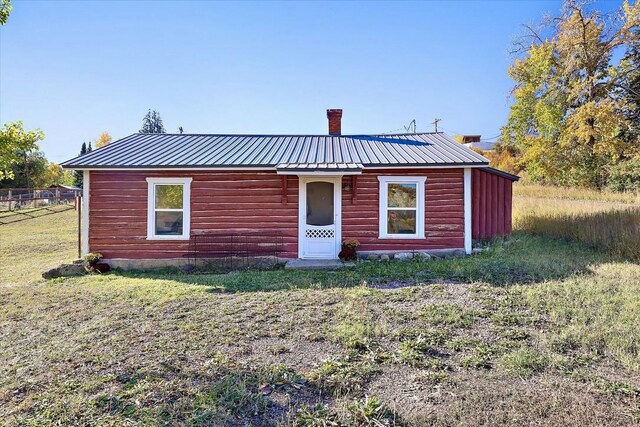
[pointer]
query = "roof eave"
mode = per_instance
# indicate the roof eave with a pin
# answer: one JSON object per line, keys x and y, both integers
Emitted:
{"x": 501, "y": 173}
{"x": 274, "y": 167}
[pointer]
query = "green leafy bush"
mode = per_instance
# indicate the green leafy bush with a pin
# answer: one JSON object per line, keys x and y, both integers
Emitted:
{"x": 625, "y": 176}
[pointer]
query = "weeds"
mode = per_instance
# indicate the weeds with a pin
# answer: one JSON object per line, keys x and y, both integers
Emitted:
{"x": 431, "y": 377}
{"x": 341, "y": 376}
{"x": 447, "y": 314}
{"x": 370, "y": 412}
{"x": 366, "y": 412}
{"x": 419, "y": 352}
{"x": 480, "y": 357}
{"x": 236, "y": 394}
{"x": 318, "y": 415}
{"x": 524, "y": 362}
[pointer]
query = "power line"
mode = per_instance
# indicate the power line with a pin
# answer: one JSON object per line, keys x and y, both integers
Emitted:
{"x": 490, "y": 138}
{"x": 392, "y": 131}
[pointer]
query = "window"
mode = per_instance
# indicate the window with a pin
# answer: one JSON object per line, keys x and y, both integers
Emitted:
{"x": 401, "y": 207}
{"x": 169, "y": 213}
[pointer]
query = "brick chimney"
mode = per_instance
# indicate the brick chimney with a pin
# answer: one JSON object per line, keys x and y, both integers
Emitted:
{"x": 335, "y": 121}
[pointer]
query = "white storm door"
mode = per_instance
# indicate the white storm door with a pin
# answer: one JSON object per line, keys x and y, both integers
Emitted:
{"x": 320, "y": 217}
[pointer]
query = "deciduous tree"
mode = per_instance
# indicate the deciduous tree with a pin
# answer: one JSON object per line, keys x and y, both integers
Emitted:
{"x": 568, "y": 119}
{"x": 103, "y": 139}
{"x": 5, "y": 11}
{"x": 15, "y": 144}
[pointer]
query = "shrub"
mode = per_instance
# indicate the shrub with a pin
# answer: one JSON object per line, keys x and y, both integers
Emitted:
{"x": 93, "y": 258}
{"x": 625, "y": 176}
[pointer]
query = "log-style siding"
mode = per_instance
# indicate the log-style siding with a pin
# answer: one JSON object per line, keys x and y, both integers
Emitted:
{"x": 444, "y": 211}
{"x": 220, "y": 201}
{"x": 237, "y": 201}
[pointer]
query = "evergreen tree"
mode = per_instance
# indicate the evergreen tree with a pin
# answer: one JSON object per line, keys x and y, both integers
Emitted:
{"x": 79, "y": 174}
{"x": 152, "y": 123}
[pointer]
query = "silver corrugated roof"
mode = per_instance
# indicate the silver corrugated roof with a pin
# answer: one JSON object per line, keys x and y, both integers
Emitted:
{"x": 320, "y": 166}
{"x": 313, "y": 151}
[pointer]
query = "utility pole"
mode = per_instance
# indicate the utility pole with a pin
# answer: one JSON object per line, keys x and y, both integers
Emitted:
{"x": 435, "y": 123}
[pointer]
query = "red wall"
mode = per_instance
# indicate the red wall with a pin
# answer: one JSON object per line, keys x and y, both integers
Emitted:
{"x": 253, "y": 201}
{"x": 444, "y": 211}
{"x": 219, "y": 201}
{"x": 491, "y": 205}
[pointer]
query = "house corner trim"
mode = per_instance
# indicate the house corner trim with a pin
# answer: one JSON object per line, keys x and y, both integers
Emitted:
{"x": 85, "y": 212}
{"x": 467, "y": 211}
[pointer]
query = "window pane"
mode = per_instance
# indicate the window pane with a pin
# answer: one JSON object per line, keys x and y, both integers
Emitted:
{"x": 401, "y": 195}
{"x": 320, "y": 203}
{"x": 168, "y": 223}
{"x": 401, "y": 222}
{"x": 169, "y": 196}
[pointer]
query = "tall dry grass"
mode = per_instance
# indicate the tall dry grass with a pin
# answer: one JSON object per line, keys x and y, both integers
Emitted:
{"x": 610, "y": 223}
{"x": 571, "y": 193}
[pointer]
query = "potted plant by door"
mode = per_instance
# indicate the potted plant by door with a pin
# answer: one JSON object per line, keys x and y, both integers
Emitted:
{"x": 94, "y": 264}
{"x": 349, "y": 250}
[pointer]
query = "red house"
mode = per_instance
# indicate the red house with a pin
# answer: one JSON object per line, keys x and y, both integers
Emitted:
{"x": 148, "y": 196}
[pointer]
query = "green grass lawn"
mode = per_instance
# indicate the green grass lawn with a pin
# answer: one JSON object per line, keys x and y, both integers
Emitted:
{"x": 532, "y": 332}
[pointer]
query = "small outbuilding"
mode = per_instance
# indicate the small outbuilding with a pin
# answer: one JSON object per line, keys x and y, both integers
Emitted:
{"x": 149, "y": 197}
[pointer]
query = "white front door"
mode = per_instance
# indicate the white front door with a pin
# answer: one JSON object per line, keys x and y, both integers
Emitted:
{"x": 319, "y": 217}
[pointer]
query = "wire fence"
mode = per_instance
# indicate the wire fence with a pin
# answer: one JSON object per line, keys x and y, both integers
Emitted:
{"x": 23, "y": 199}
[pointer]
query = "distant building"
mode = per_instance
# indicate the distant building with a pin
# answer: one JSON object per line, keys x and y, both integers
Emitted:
{"x": 473, "y": 141}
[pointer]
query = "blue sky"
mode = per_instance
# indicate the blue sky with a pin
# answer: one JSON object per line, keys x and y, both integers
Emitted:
{"x": 76, "y": 69}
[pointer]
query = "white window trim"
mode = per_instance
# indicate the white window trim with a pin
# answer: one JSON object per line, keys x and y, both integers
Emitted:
{"x": 382, "y": 208}
{"x": 186, "y": 207}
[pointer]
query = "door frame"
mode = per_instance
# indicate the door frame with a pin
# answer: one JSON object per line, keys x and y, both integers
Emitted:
{"x": 302, "y": 210}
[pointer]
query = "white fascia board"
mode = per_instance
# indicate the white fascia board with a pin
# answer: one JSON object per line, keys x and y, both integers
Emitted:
{"x": 319, "y": 173}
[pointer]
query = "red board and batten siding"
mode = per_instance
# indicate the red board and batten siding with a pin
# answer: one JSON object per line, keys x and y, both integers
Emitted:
{"x": 237, "y": 201}
{"x": 491, "y": 204}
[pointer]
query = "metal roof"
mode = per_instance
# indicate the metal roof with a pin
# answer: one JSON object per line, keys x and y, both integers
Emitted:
{"x": 247, "y": 151}
{"x": 335, "y": 167}
{"x": 504, "y": 174}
